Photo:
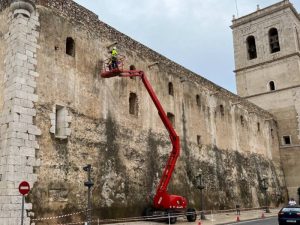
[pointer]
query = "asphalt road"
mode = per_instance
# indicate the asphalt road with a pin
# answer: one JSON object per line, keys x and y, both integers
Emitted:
{"x": 267, "y": 221}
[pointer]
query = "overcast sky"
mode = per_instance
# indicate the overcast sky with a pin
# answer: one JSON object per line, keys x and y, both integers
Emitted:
{"x": 193, "y": 33}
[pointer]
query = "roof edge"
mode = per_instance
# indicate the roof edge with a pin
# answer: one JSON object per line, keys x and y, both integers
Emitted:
{"x": 263, "y": 12}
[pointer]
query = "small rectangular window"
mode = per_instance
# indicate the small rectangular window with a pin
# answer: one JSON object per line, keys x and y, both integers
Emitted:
{"x": 298, "y": 40}
{"x": 222, "y": 111}
{"x": 242, "y": 121}
{"x": 286, "y": 140}
{"x": 198, "y": 100}
{"x": 198, "y": 139}
{"x": 171, "y": 89}
{"x": 70, "y": 46}
{"x": 133, "y": 104}
{"x": 171, "y": 118}
{"x": 272, "y": 133}
{"x": 60, "y": 123}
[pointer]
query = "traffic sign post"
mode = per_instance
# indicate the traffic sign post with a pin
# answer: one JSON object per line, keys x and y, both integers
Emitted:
{"x": 22, "y": 213}
{"x": 24, "y": 189}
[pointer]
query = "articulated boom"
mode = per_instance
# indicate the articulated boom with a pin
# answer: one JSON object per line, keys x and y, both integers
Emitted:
{"x": 162, "y": 200}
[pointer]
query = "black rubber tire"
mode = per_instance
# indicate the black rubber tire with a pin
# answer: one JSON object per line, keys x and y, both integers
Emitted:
{"x": 148, "y": 212}
{"x": 169, "y": 215}
{"x": 191, "y": 215}
{"x": 173, "y": 220}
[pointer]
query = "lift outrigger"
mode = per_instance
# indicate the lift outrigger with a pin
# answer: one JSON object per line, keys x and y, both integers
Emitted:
{"x": 163, "y": 201}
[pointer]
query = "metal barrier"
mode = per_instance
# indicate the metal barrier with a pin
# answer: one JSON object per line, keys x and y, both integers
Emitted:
{"x": 211, "y": 216}
{"x": 108, "y": 63}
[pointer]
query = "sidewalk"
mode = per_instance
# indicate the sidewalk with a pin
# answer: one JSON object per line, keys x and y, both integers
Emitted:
{"x": 225, "y": 218}
{"x": 221, "y": 218}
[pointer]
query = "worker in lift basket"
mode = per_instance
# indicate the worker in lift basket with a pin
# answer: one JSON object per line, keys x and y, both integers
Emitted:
{"x": 114, "y": 58}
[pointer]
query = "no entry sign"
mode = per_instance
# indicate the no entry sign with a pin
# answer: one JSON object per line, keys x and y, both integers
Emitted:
{"x": 24, "y": 188}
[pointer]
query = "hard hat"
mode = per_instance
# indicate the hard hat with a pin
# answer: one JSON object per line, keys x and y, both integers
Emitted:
{"x": 114, "y": 47}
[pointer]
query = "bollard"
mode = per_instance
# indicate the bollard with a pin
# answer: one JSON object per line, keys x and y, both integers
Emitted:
{"x": 211, "y": 216}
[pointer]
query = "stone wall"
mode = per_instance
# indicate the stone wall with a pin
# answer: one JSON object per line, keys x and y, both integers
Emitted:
{"x": 4, "y": 4}
{"x": 282, "y": 16}
{"x": 287, "y": 117}
{"x": 128, "y": 151}
{"x": 3, "y": 46}
{"x": 18, "y": 131}
{"x": 231, "y": 140}
{"x": 282, "y": 68}
{"x": 289, "y": 156}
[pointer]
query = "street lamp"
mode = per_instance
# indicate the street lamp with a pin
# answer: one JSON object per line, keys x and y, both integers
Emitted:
{"x": 265, "y": 188}
{"x": 200, "y": 186}
{"x": 89, "y": 183}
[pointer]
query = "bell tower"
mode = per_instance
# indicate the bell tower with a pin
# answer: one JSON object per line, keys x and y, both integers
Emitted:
{"x": 267, "y": 68}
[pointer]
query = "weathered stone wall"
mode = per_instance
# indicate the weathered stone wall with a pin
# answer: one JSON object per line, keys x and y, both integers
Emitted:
{"x": 4, "y": 4}
{"x": 231, "y": 140}
{"x": 18, "y": 131}
{"x": 3, "y": 47}
{"x": 255, "y": 81}
{"x": 283, "y": 68}
{"x": 128, "y": 152}
{"x": 289, "y": 156}
{"x": 287, "y": 117}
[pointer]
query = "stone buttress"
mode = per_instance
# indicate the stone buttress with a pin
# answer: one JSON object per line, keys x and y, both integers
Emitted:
{"x": 18, "y": 131}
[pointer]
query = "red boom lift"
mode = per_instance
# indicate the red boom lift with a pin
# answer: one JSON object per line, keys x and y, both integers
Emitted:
{"x": 163, "y": 201}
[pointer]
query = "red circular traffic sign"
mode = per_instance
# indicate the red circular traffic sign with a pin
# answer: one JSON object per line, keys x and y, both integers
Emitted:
{"x": 24, "y": 187}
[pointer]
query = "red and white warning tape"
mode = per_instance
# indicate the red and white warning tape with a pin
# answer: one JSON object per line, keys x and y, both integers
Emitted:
{"x": 58, "y": 217}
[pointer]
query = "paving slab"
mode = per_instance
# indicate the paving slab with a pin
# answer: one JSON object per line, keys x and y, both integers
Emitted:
{"x": 217, "y": 218}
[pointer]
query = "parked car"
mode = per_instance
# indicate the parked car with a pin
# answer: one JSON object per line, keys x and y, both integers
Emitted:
{"x": 289, "y": 215}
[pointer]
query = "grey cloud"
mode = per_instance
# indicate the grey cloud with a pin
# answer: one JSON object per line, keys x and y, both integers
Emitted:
{"x": 193, "y": 33}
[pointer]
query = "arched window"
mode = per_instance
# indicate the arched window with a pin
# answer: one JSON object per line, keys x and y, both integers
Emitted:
{"x": 171, "y": 118}
{"x": 251, "y": 47}
{"x": 70, "y": 46}
{"x": 198, "y": 100}
{"x": 272, "y": 86}
{"x": 274, "y": 40}
{"x": 133, "y": 104}
{"x": 171, "y": 90}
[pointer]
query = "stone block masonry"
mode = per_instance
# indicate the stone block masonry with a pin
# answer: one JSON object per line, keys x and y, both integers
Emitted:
{"x": 231, "y": 140}
{"x": 18, "y": 131}
{"x": 297, "y": 107}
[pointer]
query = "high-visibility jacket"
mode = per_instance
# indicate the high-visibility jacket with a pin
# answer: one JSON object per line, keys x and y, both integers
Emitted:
{"x": 114, "y": 53}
